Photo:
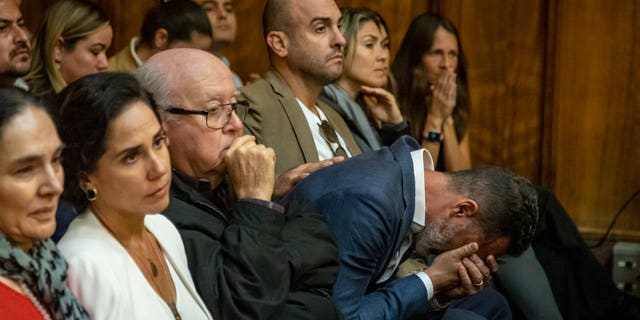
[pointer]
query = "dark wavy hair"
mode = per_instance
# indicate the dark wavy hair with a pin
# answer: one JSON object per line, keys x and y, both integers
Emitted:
{"x": 85, "y": 111}
{"x": 178, "y": 17}
{"x": 507, "y": 203}
{"x": 14, "y": 101}
{"x": 411, "y": 79}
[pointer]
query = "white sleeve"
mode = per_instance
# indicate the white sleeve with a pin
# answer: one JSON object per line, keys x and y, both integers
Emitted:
{"x": 427, "y": 284}
{"x": 433, "y": 302}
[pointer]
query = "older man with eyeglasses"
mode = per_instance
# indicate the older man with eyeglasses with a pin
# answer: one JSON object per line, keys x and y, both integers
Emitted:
{"x": 250, "y": 258}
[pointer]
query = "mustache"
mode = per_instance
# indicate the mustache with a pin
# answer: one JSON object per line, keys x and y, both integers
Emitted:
{"x": 19, "y": 47}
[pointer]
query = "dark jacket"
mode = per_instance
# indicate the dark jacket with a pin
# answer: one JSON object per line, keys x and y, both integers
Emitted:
{"x": 255, "y": 262}
{"x": 369, "y": 203}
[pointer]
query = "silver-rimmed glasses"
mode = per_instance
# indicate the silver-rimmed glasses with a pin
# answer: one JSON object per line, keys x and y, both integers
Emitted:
{"x": 216, "y": 117}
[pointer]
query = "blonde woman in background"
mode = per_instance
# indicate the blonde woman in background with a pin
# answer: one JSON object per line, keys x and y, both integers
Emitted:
{"x": 362, "y": 95}
{"x": 70, "y": 42}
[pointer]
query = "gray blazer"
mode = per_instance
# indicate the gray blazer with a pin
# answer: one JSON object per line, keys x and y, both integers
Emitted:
{"x": 275, "y": 119}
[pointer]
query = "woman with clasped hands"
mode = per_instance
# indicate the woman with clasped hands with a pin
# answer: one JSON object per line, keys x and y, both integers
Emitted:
{"x": 431, "y": 71}
{"x": 32, "y": 271}
{"x": 125, "y": 261}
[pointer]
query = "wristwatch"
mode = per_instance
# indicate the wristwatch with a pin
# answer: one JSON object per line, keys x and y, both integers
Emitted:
{"x": 433, "y": 136}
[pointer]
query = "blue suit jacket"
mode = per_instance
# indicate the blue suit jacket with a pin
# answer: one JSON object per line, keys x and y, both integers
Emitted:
{"x": 369, "y": 202}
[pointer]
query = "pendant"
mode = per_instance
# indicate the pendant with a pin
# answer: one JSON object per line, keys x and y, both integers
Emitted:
{"x": 154, "y": 269}
{"x": 174, "y": 310}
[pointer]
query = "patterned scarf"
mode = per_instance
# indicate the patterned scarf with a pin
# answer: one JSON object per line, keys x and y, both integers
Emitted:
{"x": 44, "y": 272}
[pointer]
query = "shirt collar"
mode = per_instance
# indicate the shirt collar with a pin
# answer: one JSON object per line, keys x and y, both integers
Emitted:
{"x": 422, "y": 161}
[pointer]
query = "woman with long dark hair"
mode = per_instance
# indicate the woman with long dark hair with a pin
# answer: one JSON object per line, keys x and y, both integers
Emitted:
{"x": 126, "y": 261}
{"x": 431, "y": 72}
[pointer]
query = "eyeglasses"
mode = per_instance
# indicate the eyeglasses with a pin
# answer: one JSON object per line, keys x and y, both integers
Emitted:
{"x": 216, "y": 117}
{"x": 329, "y": 134}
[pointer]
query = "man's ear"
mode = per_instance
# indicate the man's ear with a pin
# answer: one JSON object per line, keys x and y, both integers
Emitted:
{"x": 466, "y": 208}
{"x": 161, "y": 38}
{"x": 278, "y": 41}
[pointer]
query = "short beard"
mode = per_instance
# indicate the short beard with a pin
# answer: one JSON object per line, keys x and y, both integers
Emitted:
{"x": 315, "y": 69}
{"x": 437, "y": 235}
{"x": 14, "y": 72}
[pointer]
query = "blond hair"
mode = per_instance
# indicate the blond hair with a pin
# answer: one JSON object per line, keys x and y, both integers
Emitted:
{"x": 71, "y": 21}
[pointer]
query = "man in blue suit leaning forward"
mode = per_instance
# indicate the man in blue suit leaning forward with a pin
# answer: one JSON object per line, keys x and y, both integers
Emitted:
{"x": 382, "y": 205}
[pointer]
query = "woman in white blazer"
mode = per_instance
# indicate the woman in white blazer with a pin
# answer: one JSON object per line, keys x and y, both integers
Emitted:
{"x": 125, "y": 262}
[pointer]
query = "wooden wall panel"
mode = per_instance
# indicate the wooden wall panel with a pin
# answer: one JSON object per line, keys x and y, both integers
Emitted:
{"x": 126, "y": 19}
{"x": 249, "y": 52}
{"x": 397, "y": 14}
{"x": 33, "y": 11}
{"x": 596, "y": 118}
{"x": 505, "y": 53}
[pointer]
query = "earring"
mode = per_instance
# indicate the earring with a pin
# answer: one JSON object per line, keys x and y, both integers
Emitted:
{"x": 91, "y": 194}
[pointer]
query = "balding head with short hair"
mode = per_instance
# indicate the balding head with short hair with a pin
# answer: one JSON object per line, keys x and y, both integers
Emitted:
{"x": 166, "y": 74}
{"x": 276, "y": 16}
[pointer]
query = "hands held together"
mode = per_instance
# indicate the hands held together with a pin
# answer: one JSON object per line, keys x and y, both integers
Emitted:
{"x": 460, "y": 272}
{"x": 444, "y": 96}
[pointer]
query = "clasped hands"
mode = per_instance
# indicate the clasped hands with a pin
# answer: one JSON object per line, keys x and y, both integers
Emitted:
{"x": 460, "y": 272}
{"x": 442, "y": 101}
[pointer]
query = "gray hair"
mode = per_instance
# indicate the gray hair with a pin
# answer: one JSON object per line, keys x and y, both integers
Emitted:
{"x": 154, "y": 81}
{"x": 507, "y": 203}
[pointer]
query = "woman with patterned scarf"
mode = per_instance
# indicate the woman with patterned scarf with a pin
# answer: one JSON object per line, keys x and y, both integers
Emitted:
{"x": 32, "y": 271}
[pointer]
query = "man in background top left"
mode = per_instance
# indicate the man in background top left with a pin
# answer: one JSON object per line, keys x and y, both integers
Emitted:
{"x": 15, "y": 50}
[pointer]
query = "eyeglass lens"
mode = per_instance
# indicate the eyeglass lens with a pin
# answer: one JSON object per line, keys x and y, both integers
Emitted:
{"x": 218, "y": 117}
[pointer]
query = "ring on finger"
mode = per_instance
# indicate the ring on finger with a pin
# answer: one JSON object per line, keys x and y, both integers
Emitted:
{"x": 479, "y": 284}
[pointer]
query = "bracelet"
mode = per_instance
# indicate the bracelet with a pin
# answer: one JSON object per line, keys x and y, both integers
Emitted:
{"x": 433, "y": 136}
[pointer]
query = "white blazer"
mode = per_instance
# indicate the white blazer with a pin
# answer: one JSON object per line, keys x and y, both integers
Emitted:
{"x": 107, "y": 281}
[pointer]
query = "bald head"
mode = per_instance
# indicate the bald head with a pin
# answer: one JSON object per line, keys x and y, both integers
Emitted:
{"x": 193, "y": 81}
{"x": 172, "y": 75}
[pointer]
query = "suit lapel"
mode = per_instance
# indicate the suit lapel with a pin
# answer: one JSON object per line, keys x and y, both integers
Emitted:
{"x": 295, "y": 116}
